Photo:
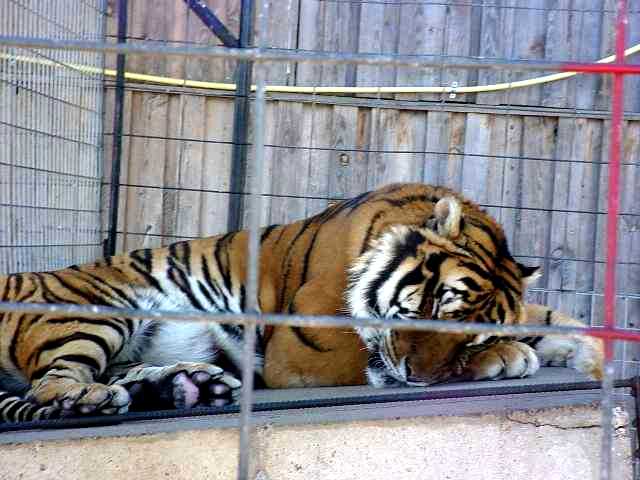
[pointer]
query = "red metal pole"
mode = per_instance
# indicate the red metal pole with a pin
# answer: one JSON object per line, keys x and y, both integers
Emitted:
{"x": 608, "y": 334}
{"x": 600, "y": 68}
{"x": 613, "y": 204}
{"x": 613, "y": 201}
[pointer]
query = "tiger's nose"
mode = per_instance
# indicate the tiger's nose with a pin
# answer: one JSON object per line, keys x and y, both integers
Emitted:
{"x": 426, "y": 378}
{"x": 411, "y": 376}
{"x": 408, "y": 372}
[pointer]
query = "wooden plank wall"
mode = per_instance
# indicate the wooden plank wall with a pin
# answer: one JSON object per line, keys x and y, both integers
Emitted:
{"x": 512, "y": 29}
{"x": 176, "y": 157}
{"x": 544, "y": 199}
{"x": 542, "y": 174}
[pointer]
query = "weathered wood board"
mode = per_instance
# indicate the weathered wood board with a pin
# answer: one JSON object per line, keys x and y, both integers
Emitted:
{"x": 513, "y": 29}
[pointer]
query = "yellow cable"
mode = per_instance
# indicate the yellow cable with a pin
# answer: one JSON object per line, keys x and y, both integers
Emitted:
{"x": 159, "y": 80}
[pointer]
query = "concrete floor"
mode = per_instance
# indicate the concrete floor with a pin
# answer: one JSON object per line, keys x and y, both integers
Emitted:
{"x": 561, "y": 443}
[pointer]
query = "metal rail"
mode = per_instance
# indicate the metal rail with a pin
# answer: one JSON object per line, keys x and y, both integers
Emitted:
{"x": 613, "y": 207}
{"x": 118, "y": 125}
{"x": 253, "y": 247}
{"x": 240, "y": 135}
{"x": 283, "y": 55}
{"x": 448, "y": 326}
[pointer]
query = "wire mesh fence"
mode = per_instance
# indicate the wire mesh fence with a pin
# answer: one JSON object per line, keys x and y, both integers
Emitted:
{"x": 349, "y": 95}
{"x": 51, "y": 131}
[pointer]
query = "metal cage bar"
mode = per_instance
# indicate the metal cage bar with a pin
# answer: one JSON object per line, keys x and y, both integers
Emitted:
{"x": 253, "y": 265}
{"x": 239, "y": 161}
{"x": 282, "y": 55}
{"x": 613, "y": 206}
{"x": 96, "y": 311}
{"x": 118, "y": 124}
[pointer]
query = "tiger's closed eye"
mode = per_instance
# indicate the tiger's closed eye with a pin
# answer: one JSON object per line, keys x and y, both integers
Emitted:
{"x": 449, "y": 296}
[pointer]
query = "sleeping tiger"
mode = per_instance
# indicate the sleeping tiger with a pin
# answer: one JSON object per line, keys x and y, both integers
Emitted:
{"x": 406, "y": 250}
{"x": 400, "y": 358}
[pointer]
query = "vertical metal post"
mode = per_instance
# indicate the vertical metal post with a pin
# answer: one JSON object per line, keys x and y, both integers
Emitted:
{"x": 613, "y": 205}
{"x": 238, "y": 178}
{"x": 253, "y": 265}
{"x": 118, "y": 120}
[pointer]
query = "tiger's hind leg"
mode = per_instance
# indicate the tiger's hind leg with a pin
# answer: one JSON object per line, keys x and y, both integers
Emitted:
{"x": 307, "y": 357}
{"x": 75, "y": 397}
{"x": 182, "y": 385}
{"x": 16, "y": 409}
{"x": 63, "y": 365}
{"x": 53, "y": 397}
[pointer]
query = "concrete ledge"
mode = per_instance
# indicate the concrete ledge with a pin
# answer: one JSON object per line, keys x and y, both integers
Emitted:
{"x": 551, "y": 387}
{"x": 557, "y": 443}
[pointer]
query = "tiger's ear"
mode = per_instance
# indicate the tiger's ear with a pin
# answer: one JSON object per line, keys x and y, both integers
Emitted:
{"x": 448, "y": 213}
{"x": 529, "y": 274}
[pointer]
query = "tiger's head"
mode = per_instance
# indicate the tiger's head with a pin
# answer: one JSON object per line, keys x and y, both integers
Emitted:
{"x": 456, "y": 267}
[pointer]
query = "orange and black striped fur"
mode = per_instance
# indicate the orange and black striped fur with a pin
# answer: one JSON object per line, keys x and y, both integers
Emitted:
{"x": 456, "y": 266}
{"x": 460, "y": 268}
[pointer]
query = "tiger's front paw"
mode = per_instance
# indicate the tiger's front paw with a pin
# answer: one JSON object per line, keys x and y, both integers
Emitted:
{"x": 182, "y": 385}
{"x": 509, "y": 359}
{"x": 73, "y": 398}
{"x": 584, "y": 354}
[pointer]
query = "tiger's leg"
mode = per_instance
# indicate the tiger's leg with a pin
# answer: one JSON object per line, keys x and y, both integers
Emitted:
{"x": 503, "y": 359}
{"x": 64, "y": 369}
{"x": 182, "y": 385}
{"x": 523, "y": 356}
{"x": 314, "y": 357}
{"x": 74, "y": 391}
{"x": 16, "y": 409}
{"x": 582, "y": 353}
